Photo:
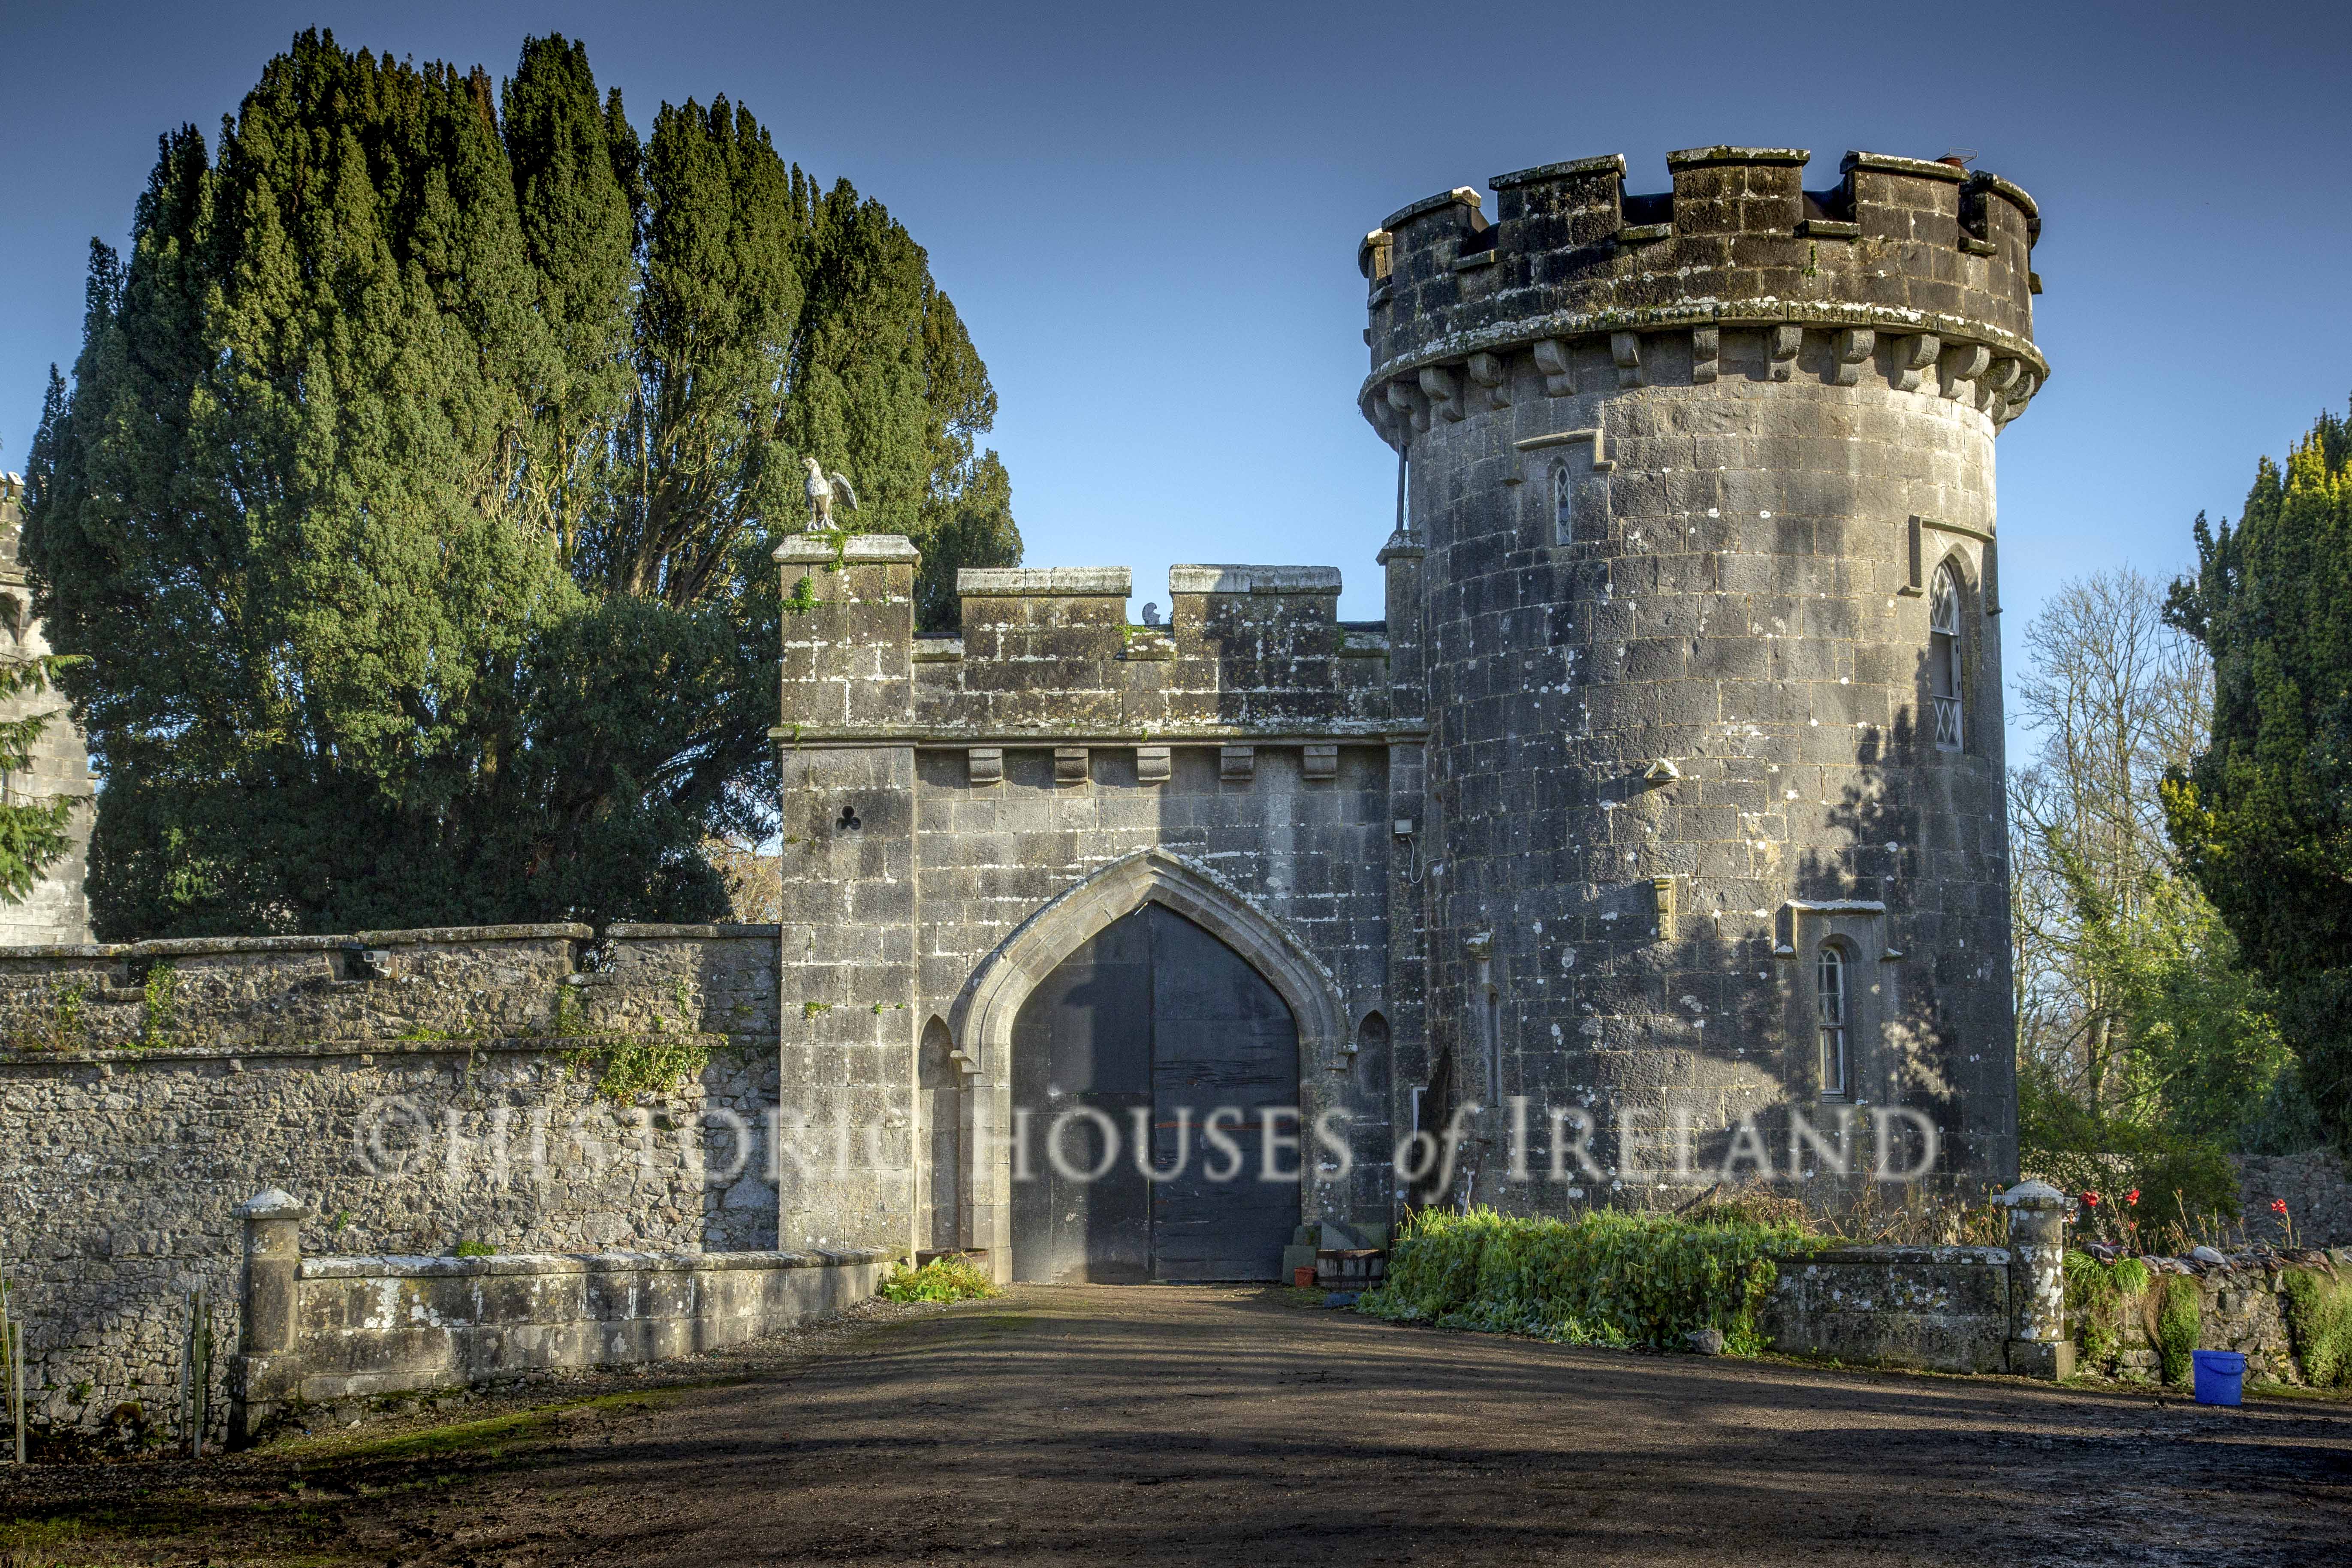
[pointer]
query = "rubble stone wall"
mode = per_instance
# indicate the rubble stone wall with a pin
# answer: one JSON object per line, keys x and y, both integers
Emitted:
{"x": 1943, "y": 1309}
{"x": 2313, "y": 1186}
{"x": 417, "y": 1088}
{"x": 2242, "y": 1306}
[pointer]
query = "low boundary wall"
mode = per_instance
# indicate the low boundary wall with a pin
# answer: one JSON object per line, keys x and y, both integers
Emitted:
{"x": 318, "y": 1331}
{"x": 1946, "y": 1309}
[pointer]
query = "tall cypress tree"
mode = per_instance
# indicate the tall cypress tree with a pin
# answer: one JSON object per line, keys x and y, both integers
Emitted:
{"x": 412, "y": 493}
{"x": 2264, "y": 817}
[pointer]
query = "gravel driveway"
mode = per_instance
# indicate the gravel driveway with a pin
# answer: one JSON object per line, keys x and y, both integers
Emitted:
{"x": 1226, "y": 1426}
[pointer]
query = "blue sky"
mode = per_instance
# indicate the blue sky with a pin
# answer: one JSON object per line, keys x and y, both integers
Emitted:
{"x": 1149, "y": 215}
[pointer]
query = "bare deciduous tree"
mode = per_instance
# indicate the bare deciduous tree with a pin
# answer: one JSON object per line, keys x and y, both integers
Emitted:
{"x": 2116, "y": 697}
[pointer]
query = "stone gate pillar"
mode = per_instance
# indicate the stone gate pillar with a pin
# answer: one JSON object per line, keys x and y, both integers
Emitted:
{"x": 2038, "y": 1345}
{"x": 268, "y": 1371}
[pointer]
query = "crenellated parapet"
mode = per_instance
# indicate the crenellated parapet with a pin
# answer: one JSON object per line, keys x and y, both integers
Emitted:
{"x": 1247, "y": 654}
{"x": 1916, "y": 273}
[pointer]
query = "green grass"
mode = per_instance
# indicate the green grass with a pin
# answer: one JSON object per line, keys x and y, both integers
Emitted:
{"x": 488, "y": 1436}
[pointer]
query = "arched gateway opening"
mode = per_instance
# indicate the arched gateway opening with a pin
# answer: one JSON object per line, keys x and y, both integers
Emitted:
{"x": 1155, "y": 1088}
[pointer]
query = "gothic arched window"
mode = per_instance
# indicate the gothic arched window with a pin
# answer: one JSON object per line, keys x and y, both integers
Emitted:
{"x": 1563, "y": 505}
{"x": 1944, "y": 655}
{"x": 1830, "y": 1001}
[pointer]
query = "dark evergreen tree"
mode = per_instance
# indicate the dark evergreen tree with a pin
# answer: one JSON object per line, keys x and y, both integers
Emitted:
{"x": 413, "y": 494}
{"x": 2263, "y": 818}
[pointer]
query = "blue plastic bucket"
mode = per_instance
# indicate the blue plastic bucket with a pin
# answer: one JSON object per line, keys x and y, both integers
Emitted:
{"x": 2220, "y": 1375}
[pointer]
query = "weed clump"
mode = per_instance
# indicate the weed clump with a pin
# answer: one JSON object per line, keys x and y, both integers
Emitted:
{"x": 644, "y": 1063}
{"x": 941, "y": 1279}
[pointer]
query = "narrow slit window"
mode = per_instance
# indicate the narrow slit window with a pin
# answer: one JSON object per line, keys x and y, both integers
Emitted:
{"x": 1563, "y": 505}
{"x": 1944, "y": 654}
{"x": 1830, "y": 995}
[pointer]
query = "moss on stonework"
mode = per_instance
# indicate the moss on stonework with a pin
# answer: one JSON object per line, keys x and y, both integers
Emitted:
{"x": 159, "y": 1005}
{"x": 2319, "y": 1325}
{"x": 2100, "y": 1298}
{"x": 2179, "y": 1303}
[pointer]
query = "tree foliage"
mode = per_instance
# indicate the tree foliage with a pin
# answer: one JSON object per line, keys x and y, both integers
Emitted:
{"x": 33, "y": 832}
{"x": 2146, "y": 1049}
{"x": 2262, "y": 816}
{"x": 411, "y": 496}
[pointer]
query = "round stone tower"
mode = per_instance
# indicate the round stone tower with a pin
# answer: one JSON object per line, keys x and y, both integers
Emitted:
{"x": 1703, "y": 486}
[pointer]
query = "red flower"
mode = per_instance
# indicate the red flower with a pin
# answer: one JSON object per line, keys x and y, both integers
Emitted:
{"x": 2278, "y": 1206}
{"x": 2132, "y": 1197}
{"x": 2092, "y": 1199}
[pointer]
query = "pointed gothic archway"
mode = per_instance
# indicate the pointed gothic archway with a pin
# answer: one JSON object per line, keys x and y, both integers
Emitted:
{"x": 984, "y": 1016}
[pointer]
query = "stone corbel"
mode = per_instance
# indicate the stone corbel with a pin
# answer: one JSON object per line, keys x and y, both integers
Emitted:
{"x": 985, "y": 765}
{"x": 1706, "y": 353}
{"x": 1854, "y": 346}
{"x": 1625, "y": 348}
{"x": 1961, "y": 366}
{"x": 1407, "y": 400}
{"x": 1493, "y": 373}
{"x": 1236, "y": 765}
{"x": 1152, "y": 764}
{"x": 1992, "y": 386}
{"x": 1070, "y": 765}
{"x": 1911, "y": 362}
{"x": 2019, "y": 394}
{"x": 1558, "y": 369}
{"x": 1780, "y": 346}
{"x": 1602, "y": 462}
{"x": 1445, "y": 393}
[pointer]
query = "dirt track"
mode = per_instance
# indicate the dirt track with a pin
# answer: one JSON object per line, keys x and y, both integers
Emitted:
{"x": 1206, "y": 1426}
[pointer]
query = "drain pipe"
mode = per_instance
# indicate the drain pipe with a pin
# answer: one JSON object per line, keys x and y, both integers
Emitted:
{"x": 1481, "y": 949}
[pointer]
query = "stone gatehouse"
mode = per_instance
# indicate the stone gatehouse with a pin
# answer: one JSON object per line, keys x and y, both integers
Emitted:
{"x": 1655, "y": 834}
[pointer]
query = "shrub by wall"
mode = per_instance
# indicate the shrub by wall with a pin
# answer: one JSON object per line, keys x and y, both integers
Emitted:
{"x": 1606, "y": 1278}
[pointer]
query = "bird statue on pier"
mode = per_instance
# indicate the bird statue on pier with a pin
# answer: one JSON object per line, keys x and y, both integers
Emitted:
{"x": 821, "y": 492}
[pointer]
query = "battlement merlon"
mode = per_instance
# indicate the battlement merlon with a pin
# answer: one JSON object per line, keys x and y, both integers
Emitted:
{"x": 1902, "y": 262}
{"x": 1249, "y": 654}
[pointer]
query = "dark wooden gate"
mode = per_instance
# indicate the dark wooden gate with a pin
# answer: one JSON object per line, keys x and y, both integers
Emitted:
{"x": 1153, "y": 1028}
